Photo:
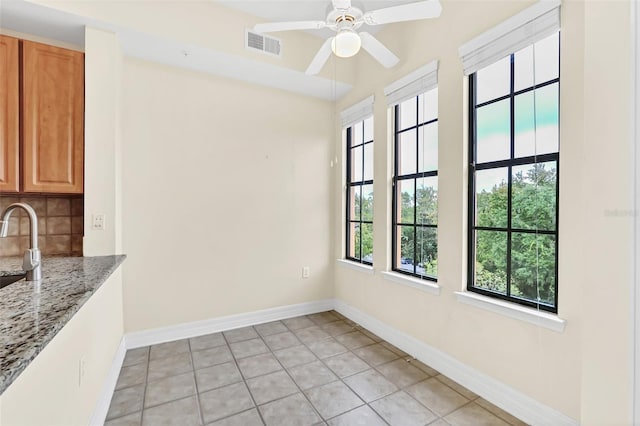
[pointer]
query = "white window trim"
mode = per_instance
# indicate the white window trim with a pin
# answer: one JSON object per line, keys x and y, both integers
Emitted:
{"x": 413, "y": 84}
{"x": 513, "y": 310}
{"x": 423, "y": 285}
{"x": 350, "y": 264}
{"x": 357, "y": 112}
{"x": 523, "y": 29}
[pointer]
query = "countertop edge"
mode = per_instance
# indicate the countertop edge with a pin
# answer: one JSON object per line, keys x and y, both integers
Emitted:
{"x": 6, "y": 379}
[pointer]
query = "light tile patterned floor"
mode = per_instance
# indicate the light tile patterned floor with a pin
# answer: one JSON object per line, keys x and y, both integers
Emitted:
{"x": 319, "y": 369}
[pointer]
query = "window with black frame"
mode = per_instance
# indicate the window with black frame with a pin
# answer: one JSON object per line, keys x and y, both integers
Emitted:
{"x": 513, "y": 176}
{"x": 360, "y": 192}
{"x": 415, "y": 182}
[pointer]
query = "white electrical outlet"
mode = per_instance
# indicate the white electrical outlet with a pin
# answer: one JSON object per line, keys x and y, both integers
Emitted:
{"x": 305, "y": 272}
{"x": 98, "y": 222}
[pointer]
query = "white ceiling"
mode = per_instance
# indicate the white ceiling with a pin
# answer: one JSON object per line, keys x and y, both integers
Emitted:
{"x": 30, "y": 18}
{"x": 37, "y": 20}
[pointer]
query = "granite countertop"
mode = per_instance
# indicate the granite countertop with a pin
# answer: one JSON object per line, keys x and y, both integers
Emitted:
{"x": 12, "y": 272}
{"x": 31, "y": 315}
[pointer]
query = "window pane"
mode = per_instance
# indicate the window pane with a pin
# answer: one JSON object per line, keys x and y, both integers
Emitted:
{"x": 354, "y": 203}
{"x": 533, "y": 267}
{"x": 368, "y": 130}
{"x": 405, "y": 201}
{"x": 491, "y": 197}
{"x": 367, "y": 242}
{"x": 354, "y": 240}
{"x": 534, "y": 196}
{"x": 427, "y": 256}
{"x": 547, "y": 58}
{"x": 367, "y": 202}
{"x": 357, "y": 134}
{"x": 356, "y": 164}
{"x": 540, "y": 59}
{"x": 537, "y": 134}
{"x": 368, "y": 162}
{"x": 407, "y": 146}
{"x": 493, "y": 81}
{"x": 523, "y": 68}
{"x": 493, "y": 132}
{"x": 428, "y": 106}
{"x": 491, "y": 261}
{"x": 405, "y": 246}
{"x": 427, "y": 200}
{"x": 407, "y": 114}
{"x": 428, "y": 147}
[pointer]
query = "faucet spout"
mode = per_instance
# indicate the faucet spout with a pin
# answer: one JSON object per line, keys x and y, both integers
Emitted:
{"x": 32, "y": 259}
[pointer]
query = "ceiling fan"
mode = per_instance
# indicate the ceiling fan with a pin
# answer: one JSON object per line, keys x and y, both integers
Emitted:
{"x": 345, "y": 19}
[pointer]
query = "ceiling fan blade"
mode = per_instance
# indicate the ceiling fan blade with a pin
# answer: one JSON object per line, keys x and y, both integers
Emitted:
{"x": 271, "y": 27}
{"x": 320, "y": 59}
{"x": 406, "y": 12}
{"x": 378, "y": 50}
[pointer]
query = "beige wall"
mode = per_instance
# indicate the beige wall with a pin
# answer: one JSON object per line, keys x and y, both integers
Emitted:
{"x": 49, "y": 391}
{"x": 226, "y": 195}
{"x": 607, "y": 193}
{"x": 572, "y": 372}
{"x": 103, "y": 65}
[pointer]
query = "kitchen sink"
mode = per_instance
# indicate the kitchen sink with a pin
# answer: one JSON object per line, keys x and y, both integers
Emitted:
{"x": 5, "y": 280}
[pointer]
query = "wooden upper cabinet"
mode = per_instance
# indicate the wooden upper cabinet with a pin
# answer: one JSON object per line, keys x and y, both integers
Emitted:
{"x": 9, "y": 121}
{"x": 52, "y": 119}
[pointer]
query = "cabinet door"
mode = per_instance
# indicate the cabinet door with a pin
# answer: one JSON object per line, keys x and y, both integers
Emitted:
{"x": 52, "y": 119}
{"x": 9, "y": 122}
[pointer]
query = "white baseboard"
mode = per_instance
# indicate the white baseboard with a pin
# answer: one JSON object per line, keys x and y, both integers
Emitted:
{"x": 193, "y": 329}
{"x": 214, "y": 325}
{"x": 518, "y": 404}
{"x": 505, "y": 397}
{"x": 102, "y": 407}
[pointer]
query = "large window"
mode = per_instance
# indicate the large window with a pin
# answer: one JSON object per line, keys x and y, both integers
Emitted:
{"x": 360, "y": 191}
{"x": 415, "y": 182}
{"x": 513, "y": 176}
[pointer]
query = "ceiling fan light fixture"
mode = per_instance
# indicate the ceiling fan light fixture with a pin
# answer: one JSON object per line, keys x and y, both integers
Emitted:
{"x": 346, "y": 43}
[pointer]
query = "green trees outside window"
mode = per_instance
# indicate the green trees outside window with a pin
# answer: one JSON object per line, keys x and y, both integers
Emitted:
{"x": 513, "y": 177}
{"x": 360, "y": 191}
{"x": 415, "y": 181}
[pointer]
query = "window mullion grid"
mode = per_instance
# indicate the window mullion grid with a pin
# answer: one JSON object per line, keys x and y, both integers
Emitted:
{"x": 510, "y": 170}
{"x": 415, "y": 191}
{"x": 394, "y": 213}
{"x": 519, "y": 92}
{"x": 350, "y": 185}
{"x": 522, "y": 161}
{"x": 361, "y": 185}
{"x": 557, "y": 216}
{"x": 471, "y": 231}
{"x": 510, "y": 163}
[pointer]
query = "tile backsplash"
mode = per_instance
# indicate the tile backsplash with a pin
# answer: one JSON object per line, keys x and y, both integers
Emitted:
{"x": 60, "y": 225}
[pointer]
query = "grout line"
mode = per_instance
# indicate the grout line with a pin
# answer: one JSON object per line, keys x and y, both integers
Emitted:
{"x": 304, "y": 395}
{"x": 244, "y": 380}
{"x": 271, "y": 352}
{"x": 195, "y": 383}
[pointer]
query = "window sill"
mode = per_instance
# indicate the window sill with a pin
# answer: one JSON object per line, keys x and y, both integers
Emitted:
{"x": 367, "y": 269}
{"x": 511, "y": 310}
{"x": 427, "y": 286}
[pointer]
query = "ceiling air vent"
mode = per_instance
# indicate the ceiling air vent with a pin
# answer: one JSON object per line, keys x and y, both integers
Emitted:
{"x": 262, "y": 43}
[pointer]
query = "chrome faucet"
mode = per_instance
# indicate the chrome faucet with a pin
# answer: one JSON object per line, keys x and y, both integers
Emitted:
{"x": 31, "y": 261}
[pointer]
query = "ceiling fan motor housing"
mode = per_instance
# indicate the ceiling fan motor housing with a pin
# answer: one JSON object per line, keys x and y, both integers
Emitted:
{"x": 347, "y": 18}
